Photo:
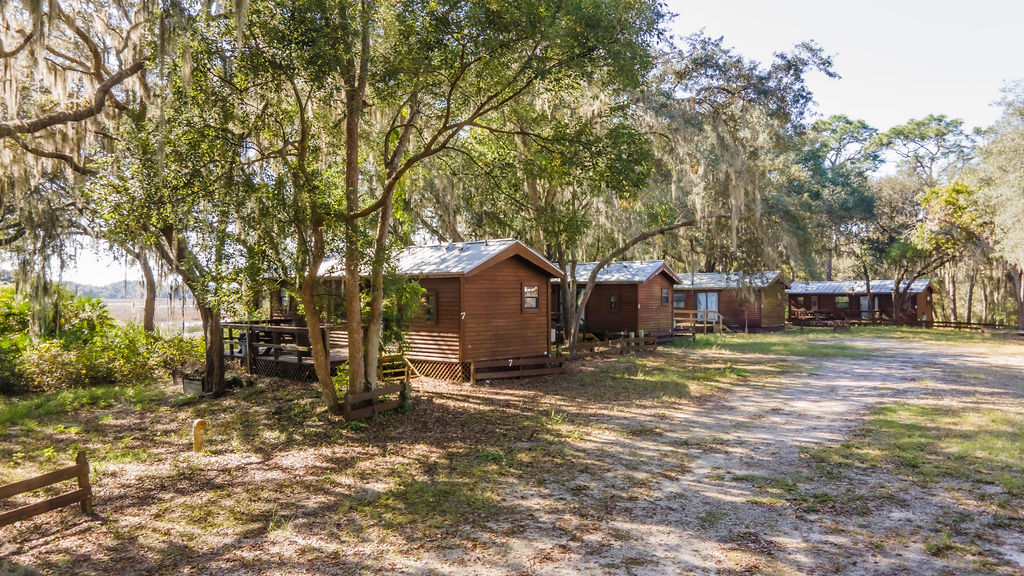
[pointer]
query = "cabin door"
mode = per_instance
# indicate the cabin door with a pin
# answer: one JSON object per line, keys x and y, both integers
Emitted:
{"x": 865, "y": 310}
{"x": 707, "y": 302}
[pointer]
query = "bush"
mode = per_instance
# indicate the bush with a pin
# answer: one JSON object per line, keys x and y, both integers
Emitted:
{"x": 180, "y": 353}
{"x": 115, "y": 355}
{"x": 50, "y": 365}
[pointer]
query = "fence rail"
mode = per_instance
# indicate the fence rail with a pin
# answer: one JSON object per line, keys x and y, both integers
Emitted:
{"x": 704, "y": 320}
{"x": 393, "y": 380}
{"x": 500, "y": 368}
{"x": 613, "y": 346}
{"x": 81, "y": 496}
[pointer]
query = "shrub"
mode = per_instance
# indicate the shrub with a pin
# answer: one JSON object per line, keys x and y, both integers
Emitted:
{"x": 50, "y": 365}
{"x": 115, "y": 355}
{"x": 180, "y": 353}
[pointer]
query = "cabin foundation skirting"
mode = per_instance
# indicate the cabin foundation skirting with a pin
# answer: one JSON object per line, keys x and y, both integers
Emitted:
{"x": 441, "y": 370}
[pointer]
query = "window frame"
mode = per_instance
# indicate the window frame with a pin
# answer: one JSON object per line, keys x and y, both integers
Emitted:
{"x": 613, "y": 302}
{"x": 523, "y": 297}
{"x": 666, "y": 296}
{"x": 846, "y": 302}
{"x": 424, "y": 306}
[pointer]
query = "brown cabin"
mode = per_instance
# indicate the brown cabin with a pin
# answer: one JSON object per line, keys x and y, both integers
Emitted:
{"x": 628, "y": 296}
{"x": 751, "y": 302}
{"x": 848, "y": 301}
{"x": 484, "y": 300}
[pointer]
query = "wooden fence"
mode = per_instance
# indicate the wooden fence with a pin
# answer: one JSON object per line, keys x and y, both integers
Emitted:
{"x": 82, "y": 496}
{"x": 611, "y": 347}
{"x": 698, "y": 320}
{"x": 392, "y": 381}
{"x": 500, "y": 368}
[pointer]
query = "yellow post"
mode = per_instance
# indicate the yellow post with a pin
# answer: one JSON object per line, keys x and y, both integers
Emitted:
{"x": 198, "y": 427}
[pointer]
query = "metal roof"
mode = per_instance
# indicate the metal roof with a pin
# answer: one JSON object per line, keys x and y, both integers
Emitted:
{"x": 451, "y": 259}
{"x": 625, "y": 272}
{"x": 855, "y": 287}
{"x": 727, "y": 280}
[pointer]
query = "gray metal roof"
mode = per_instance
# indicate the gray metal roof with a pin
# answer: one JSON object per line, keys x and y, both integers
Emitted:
{"x": 626, "y": 271}
{"x": 451, "y": 259}
{"x": 855, "y": 287}
{"x": 726, "y": 280}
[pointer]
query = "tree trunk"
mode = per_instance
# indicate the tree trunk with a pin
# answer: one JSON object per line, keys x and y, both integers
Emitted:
{"x": 213, "y": 335}
{"x": 149, "y": 308}
{"x": 1018, "y": 289}
{"x": 354, "y": 100}
{"x": 321, "y": 360}
{"x": 970, "y": 294}
{"x": 951, "y": 283}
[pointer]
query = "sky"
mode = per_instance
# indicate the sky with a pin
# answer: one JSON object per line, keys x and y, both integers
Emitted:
{"x": 898, "y": 60}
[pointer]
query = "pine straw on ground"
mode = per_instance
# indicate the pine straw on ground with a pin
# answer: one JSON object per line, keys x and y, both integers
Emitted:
{"x": 283, "y": 487}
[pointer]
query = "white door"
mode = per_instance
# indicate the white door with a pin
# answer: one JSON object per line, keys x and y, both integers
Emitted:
{"x": 706, "y": 302}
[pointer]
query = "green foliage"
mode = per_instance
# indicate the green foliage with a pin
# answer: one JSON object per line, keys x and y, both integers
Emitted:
{"x": 83, "y": 348}
{"x": 179, "y": 353}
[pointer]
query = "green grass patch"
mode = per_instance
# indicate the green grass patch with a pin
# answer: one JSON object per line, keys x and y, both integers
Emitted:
{"x": 929, "y": 444}
{"x": 807, "y": 343}
{"x": 20, "y": 410}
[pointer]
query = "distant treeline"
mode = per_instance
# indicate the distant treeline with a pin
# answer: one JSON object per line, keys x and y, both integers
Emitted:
{"x": 121, "y": 290}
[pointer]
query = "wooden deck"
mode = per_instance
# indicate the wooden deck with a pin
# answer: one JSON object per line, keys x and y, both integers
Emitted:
{"x": 276, "y": 350}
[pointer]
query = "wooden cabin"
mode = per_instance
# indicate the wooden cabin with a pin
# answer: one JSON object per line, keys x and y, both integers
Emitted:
{"x": 629, "y": 296}
{"x": 483, "y": 300}
{"x": 750, "y": 302}
{"x": 848, "y": 301}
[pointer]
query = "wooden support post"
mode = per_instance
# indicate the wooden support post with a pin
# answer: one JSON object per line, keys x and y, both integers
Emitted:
{"x": 83, "y": 481}
{"x": 472, "y": 372}
{"x": 248, "y": 349}
{"x": 631, "y": 343}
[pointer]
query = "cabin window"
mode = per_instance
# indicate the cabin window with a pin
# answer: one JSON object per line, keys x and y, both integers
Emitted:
{"x": 842, "y": 302}
{"x": 799, "y": 301}
{"x": 679, "y": 300}
{"x": 814, "y": 302}
{"x": 613, "y": 302}
{"x": 664, "y": 295}
{"x": 531, "y": 297}
{"x": 283, "y": 299}
{"x": 429, "y": 310}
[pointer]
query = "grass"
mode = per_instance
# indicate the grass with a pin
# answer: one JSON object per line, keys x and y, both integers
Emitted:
{"x": 812, "y": 343}
{"x": 930, "y": 444}
{"x": 18, "y": 410}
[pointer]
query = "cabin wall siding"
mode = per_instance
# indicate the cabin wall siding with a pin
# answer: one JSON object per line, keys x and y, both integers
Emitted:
{"x": 762, "y": 309}
{"x": 495, "y": 323}
{"x": 438, "y": 340}
{"x": 600, "y": 319}
{"x": 654, "y": 317}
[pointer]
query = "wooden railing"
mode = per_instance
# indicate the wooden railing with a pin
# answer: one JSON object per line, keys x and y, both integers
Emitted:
{"x": 698, "y": 319}
{"x": 612, "y": 346}
{"x": 392, "y": 380}
{"x": 82, "y": 496}
{"x": 250, "y": 341}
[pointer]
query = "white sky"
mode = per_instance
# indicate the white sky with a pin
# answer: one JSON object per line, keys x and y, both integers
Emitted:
{"x": 899, "y": 59}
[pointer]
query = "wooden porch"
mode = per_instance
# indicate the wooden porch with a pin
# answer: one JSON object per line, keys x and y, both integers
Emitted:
{"x": 277, "y": 348}
{"x": 694, "y": 321}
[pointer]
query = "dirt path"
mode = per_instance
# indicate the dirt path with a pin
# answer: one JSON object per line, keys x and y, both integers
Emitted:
{"x": 716, "y": 519}
{"x": 619, "y": 468}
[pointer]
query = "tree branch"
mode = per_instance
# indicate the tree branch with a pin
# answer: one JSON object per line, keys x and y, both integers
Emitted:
{"x": 16, "y": 127}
